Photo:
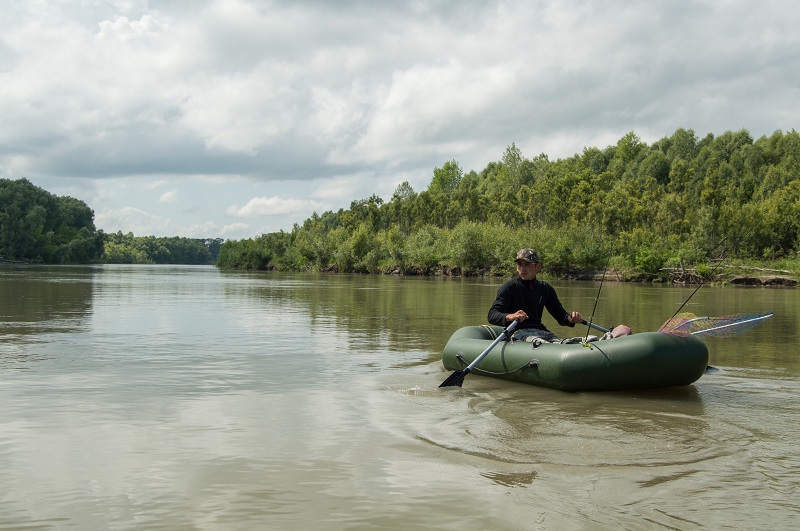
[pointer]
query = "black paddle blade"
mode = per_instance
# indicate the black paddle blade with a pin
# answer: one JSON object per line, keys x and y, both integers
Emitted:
{"x": 454, "y": 379}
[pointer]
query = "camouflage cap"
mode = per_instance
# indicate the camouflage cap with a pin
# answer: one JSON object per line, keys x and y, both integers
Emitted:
{"x": 528, "y": 255}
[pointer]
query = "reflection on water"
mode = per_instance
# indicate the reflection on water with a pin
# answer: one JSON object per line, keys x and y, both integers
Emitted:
{"x": 189, "y": 398}
{"x": 35, "y": 303}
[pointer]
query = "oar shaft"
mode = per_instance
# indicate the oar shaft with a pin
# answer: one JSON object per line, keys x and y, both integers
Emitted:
{"x": 510, "y": 328}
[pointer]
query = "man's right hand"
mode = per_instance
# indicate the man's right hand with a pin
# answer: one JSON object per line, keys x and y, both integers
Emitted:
{"x": 519, "y": 315}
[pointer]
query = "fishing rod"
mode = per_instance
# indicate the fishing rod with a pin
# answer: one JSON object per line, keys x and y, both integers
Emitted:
{"x": 591, "y": 317}
{"x": 703, "y": 279}
{"x": 726, "y": 326}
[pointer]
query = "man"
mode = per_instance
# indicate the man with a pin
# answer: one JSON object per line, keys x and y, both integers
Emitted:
{"x": 524, "y": 298}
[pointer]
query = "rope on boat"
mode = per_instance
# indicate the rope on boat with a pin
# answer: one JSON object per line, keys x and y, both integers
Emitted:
{"x": 492, "y": 333}
{"x": 533, "y": 364}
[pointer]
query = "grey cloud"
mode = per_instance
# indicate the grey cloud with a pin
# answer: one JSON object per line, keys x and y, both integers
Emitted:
{"x": 304, "y": 90}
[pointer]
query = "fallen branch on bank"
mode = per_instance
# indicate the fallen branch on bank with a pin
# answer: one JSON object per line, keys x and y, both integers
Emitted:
{"x": 752, "y": 268}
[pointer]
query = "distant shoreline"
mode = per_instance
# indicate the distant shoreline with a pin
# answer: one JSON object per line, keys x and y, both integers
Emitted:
{"x": 760, "y": 276}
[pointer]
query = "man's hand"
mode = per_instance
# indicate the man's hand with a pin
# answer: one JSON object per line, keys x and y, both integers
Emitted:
{"x": 519, "y": 315}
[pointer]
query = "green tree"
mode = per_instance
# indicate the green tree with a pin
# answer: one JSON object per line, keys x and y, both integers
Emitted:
{"x": 445, "y": 179}
{"x": 36, "y": 225}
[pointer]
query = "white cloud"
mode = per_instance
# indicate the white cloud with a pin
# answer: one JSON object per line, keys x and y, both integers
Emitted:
{"x": 338, "y": 187}
{"x": 273, "y": 206}
{"x": 131, "y": 219}
{"x": 168, "y": 197}
{"x": 156, "y": 184}
{"x": 209, "y": 229}
{"x": 242, "y": 113}
{"x": 234, "y": 229}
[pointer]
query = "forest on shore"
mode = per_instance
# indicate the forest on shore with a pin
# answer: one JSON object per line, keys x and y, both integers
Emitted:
{"x": 670, "y": 210}
{"x": 39, "y": 227}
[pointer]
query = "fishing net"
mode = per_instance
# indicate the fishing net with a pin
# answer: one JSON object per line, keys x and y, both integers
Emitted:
{"x": 686, "y": 324}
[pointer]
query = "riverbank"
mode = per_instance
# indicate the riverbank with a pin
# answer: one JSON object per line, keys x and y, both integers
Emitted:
{"x": 735, "y": 275}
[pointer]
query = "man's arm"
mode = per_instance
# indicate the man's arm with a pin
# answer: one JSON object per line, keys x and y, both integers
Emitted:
{"x": 499, "y": 310}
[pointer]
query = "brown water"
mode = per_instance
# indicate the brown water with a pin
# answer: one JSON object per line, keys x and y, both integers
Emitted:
{"x": 189, "y": 398}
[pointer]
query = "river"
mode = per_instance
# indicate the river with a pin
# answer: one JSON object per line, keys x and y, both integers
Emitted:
{"x": 158, "y": 397}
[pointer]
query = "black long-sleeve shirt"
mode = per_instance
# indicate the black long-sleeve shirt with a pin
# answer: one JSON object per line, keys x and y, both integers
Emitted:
{"x": 531, "y": 296}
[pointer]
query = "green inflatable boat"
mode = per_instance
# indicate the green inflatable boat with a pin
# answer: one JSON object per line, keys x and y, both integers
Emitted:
{"x": 639, "y": 361}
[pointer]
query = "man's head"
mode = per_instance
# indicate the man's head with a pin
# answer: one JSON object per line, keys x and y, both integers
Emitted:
{"x": 528, "y": 264}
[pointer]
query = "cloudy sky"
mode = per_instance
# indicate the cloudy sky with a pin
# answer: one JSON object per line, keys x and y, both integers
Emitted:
{"x": 230, "y": 118}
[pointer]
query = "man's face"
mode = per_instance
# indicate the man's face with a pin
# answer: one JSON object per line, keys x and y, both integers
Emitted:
{"x": 527, "y": 270}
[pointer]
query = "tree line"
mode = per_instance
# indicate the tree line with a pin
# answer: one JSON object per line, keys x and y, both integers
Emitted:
{"x": 129, "y": 249}
{"x": 631, "y": 206}
{"x": 37, "y": 226}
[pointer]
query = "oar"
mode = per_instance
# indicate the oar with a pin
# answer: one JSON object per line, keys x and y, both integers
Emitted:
{"x": 458, "y": 377}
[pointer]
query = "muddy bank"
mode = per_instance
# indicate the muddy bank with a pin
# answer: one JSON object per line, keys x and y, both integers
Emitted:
{"x": 683, "y": 276}
{"x": 769, "y": 280}
{"x": 764, "y": 281}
